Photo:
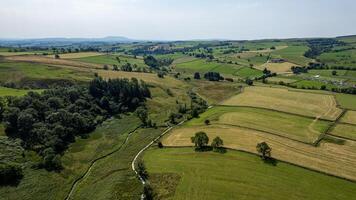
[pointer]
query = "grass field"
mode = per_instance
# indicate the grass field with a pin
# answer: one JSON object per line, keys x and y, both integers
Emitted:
{"x": 111, "y": 60}
{"x": 309, "y": 104}
{"x": 18, "y": 71}
{"x": 294, "y": 54}
{"x": 291, "y": 126}
{"x": 202, "y": 66}
{"x": 279, "y": 79}
{"x": 247, "y": 72}
{"x": 349, "y": 117}
{"x": 346, "y": 101}
{"x": 311, "y": 84}
{"x": 333, "y": 156}
{"x": 237, "y": 175}
{"x": 345, "y": 130}
{"x": 14, "y": 92}
{"x": 343, "y": 58}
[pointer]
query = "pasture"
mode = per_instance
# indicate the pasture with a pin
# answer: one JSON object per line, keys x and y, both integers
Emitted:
{"x": 346, "y": 101}
{"x": 203, "y": 66}
{"x": 4, "y": 91}
{"x": 110, "y": 59}
{"x": 283, "y": 79}
{"x": 237, "y": 175}
{"x": 282, "y": 124}
{"x": 248, "y": 72}
{"x": 281, "y": 99}
{"x": 294, "y": 54}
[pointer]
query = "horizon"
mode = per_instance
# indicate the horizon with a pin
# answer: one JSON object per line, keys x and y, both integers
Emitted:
{"x": 171, "y": 20}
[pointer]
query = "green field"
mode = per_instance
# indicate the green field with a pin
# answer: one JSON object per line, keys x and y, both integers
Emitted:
{"x": 248, "y": 72}
{"x": 14, "y": 92}
{"x": 345, "y": 58}
{"x": 24, "y": 72}
{"x": 111, "y": 60}
{"x": 203, "y": 66}
{"x": 294, "y": 54}
{"x": 346, "y": 101}
{"x": 237, "y": 175}
{"x": 287, "y": 125}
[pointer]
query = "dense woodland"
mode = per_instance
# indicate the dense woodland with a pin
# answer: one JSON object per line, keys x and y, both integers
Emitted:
{"x": 48, "y": 122}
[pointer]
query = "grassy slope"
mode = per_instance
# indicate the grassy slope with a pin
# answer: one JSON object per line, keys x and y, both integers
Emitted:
{"x": 40, "y": 184}
{"x": 294, "y": 54}
{"x": 14, "y": 92}
{"x": 111, "y": 60}
{"x": 237, "y": 175}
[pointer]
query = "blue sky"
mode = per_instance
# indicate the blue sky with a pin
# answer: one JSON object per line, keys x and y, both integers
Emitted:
{"x": 177, "y": 19}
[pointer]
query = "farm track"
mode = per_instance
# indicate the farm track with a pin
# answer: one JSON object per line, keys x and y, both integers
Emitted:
{"x": 87, "y": 172}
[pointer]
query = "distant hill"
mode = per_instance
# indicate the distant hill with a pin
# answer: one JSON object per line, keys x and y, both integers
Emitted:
{"x": 64, "y": 41}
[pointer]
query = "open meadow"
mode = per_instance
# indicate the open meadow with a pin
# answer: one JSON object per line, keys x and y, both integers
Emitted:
{"x": 181, "y": 173}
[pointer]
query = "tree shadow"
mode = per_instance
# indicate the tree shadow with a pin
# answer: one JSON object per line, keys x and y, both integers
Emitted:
{"x": 203, "y": 149}
{"x": 221, "y": 150}
{"x": 270, "y": 161}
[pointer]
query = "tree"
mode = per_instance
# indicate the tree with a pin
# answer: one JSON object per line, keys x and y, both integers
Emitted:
{"x": 141, "y": 169}
{"x": 115, "y": 67}
{"x": 151, "y": 61}
{"x": 264, "y": 150}
{"x": 217, "y": 143}
{"x": 207, "y": 122}
{"x": 196, "y": 75}
{"x": 160, "y": 74}
{"x": 323, "y": 87}
{"x": 105, "y": 67}
{"x": 142, "y": 114}
{"x": 56, "y": 56}
{"x": 160, "y": 145}
{"x": 200, "y": 140}
{"x": 249, "y": 81}
{"x": 334, "y": 73}
{"x": 10, "y": 174}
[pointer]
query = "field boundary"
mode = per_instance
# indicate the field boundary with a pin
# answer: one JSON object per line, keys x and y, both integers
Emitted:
{"x": 270, "y": 109}
{"x": 92, "y": 163}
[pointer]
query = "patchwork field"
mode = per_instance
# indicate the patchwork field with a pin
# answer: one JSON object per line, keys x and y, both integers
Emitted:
{"x": 294, "y": 54}
{"x": 201, "y": 65}
{"x": 236, "y": 175}
{"x": 282, "y": 124}
{"x": 309, "y": 104}
{"x": 332, "y": 156}
{"x": 111, "y": 60}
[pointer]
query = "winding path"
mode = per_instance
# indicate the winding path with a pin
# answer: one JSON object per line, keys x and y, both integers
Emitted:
{"x": 87, "y": 172}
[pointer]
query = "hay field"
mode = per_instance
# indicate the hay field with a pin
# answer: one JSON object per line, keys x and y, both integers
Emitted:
{"x": 286, "y": 125}
{"x": 330, "y": 157}
{"x": 76, "y": 55}
{"x": 278, "y": 68}
{"x": 349, "y": 117}
{"x": 308, "y": 104}
{"x": 52, "y": 61}
{"x": 345, "y": 130}
{"x": 181, "y": 173}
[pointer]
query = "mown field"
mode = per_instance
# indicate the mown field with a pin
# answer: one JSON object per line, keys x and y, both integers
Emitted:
{"x": 309, "y": 104}
{"x": 346, "y": 101}
{"x": 349, "y": 117}
{"x": 236, "y": 175}
{"x": 286, "y": 125}
{"x": 345, "y": 131}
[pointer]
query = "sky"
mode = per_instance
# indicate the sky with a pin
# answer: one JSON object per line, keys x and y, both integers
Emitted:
{"x": 177, "y": 19}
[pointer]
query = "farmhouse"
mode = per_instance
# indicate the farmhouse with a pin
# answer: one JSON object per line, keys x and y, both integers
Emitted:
{"x": 278, "y": 60}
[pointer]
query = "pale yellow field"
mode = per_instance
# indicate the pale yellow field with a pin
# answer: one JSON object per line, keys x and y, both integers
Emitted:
{"x": 278, "y": 68}
{"x": 76, "y": 55}
{"x": 349, "y": 117}
{"x": 308, "y": 104}
{"x": 52, "y": 61}
{"x": 345, "y": 130}
{"x": 331, "y": 158}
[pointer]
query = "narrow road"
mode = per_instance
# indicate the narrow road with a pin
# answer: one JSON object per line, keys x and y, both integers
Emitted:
{"x": 86, "y": 174}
